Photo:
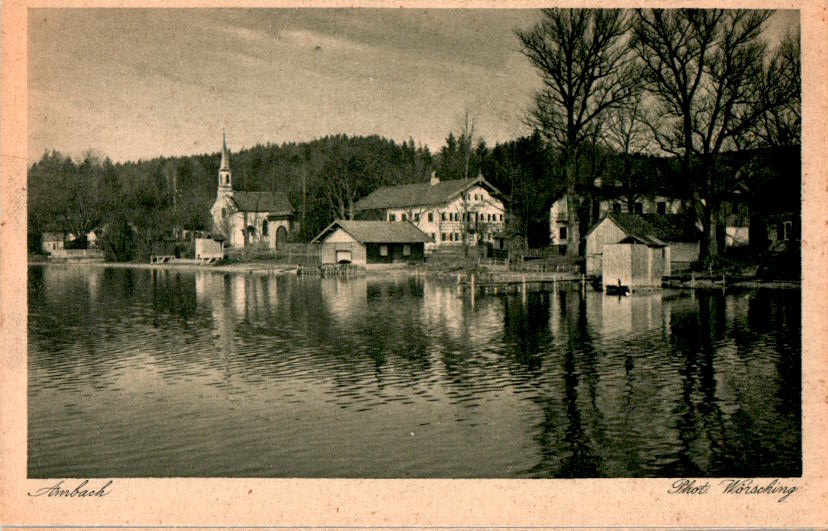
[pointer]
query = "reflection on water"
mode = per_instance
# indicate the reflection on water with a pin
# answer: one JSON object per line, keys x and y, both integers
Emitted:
{"x": 165, "y": 373}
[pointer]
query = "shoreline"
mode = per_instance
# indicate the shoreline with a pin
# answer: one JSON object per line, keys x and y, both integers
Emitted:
{"x": 188, "y": 267}
{"x": 274, "y": 269}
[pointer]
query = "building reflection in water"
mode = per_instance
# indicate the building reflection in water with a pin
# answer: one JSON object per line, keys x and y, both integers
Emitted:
{"x": 560, "y": 384}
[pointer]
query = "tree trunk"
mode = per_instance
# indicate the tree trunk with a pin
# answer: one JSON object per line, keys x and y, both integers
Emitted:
{"x": 710, "y": 243}
{"x": 573, "y": 234}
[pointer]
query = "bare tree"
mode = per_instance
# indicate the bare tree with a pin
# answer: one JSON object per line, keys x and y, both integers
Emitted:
{"x": 706, "y": 69}
{"x": 468, "y": 124}
{"x": 781, "y": 124}
{"x": 626, "y": 133}
{"x": 583, "y": 60}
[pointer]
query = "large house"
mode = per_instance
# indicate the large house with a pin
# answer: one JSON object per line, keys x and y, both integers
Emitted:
{"x": 371, "y": 242}
{"x": 450, "y": 212}
{"x": 260, "y": 219}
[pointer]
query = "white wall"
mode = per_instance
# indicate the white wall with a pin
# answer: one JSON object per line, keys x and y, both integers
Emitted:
{"x": 480, "y": 202}
{"x": 606, "y": 232}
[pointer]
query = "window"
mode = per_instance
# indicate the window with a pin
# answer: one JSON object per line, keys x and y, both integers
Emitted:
{"x": 224, "y": 212}
{"x": 442, "y": 216}
{"x": 488, "y": 217}
{"x": 416, "y": 218}
{"x": 443, "y": 236}
{"x": 226, "y": 179}
{"x": 432, "y": 237}
{"x": 392, "y": 217}
{"x": 457, "y": 236}
{"x": 383, "y": 250}
{"x": 661, "y": 207}
{"x": 501, "y": 217}
{"x": 264, "y": 228}
{"x": 639, "y": 208}
{"x": 616, "y": 207}
{"x": 430, "y": 217}
{"x": 406, "y": 250}
{"x": 562, "y": 233}
{"x": 403, "y": 217}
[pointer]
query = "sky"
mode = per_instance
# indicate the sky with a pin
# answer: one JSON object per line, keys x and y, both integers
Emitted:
{"x": 139, "y": 83}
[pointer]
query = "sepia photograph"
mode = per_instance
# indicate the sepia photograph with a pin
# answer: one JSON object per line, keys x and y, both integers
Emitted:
{"x": 414, "y": 243}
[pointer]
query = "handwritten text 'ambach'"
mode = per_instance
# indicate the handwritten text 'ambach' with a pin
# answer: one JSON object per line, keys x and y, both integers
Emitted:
{"x": 79, "y": 491}
{"x": 735, "y": 486}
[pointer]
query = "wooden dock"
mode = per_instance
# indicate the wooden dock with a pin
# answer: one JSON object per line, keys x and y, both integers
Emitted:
{"x": 513, "y": 282}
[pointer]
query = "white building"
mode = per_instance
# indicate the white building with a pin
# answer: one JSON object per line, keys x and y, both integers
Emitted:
{"x": 444, "y": 210}
{"x": 249, "y": 219}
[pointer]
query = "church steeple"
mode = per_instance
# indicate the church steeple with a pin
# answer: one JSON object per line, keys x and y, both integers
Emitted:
{"x": 225, "y": 158}
{"x": 225, "y": 175}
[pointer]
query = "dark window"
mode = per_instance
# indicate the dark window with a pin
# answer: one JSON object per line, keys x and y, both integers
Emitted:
{"x": 661, "y": 207}
{"x": 639, "y": 208}
{"x": 392, "y": 217}
{"x": 443, "y": 235}
{"x": 616, "y": 207}
{"x": 562, "y": 233}
{"x": 457, "y": 236}
{"x": 430, "y": 217}
{"x": 224, "y": 212}
{"x": 403, "y": 217}
{"x": 417, "y": 218}
{"x": 264, "y": 228}
{"x": 443, "y": 216}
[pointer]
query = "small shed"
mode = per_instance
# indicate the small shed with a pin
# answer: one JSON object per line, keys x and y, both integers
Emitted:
{"x": 210, "y": 248}
{"x": 635, "y": 263}
{"x": 371, "y": 242}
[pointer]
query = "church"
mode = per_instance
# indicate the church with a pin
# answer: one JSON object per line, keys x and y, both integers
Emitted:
{"x": 249, "y": 219}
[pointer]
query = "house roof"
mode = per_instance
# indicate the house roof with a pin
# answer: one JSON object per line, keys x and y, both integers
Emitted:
{"x": 655, "y": 229}
{"x": 419, "y": 194}
{"x": 273, "y": 202}
{"x": 377, "y": 231}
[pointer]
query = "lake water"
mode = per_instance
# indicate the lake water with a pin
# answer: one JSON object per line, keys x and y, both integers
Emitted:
{"x": 148, "y": 373}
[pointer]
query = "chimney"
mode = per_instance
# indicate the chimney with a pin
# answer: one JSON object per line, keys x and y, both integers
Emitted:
{"x": 434, "y": 178}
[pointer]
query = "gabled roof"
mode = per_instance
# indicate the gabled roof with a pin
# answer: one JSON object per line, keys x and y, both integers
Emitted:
{"x": 272, "y": 202}
{"x": 419, "y": 194}
{"x": 655, "y": 229}
{"x": 377, "y": 231}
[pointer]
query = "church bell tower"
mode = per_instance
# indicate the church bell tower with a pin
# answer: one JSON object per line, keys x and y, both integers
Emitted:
{"x": 225, "y": 176}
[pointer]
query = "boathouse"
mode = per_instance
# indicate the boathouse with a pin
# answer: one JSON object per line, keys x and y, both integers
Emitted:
{"x": 675, "y": 231}
{"x": 371, "y": 242}
{"x": 635, "y": 263}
